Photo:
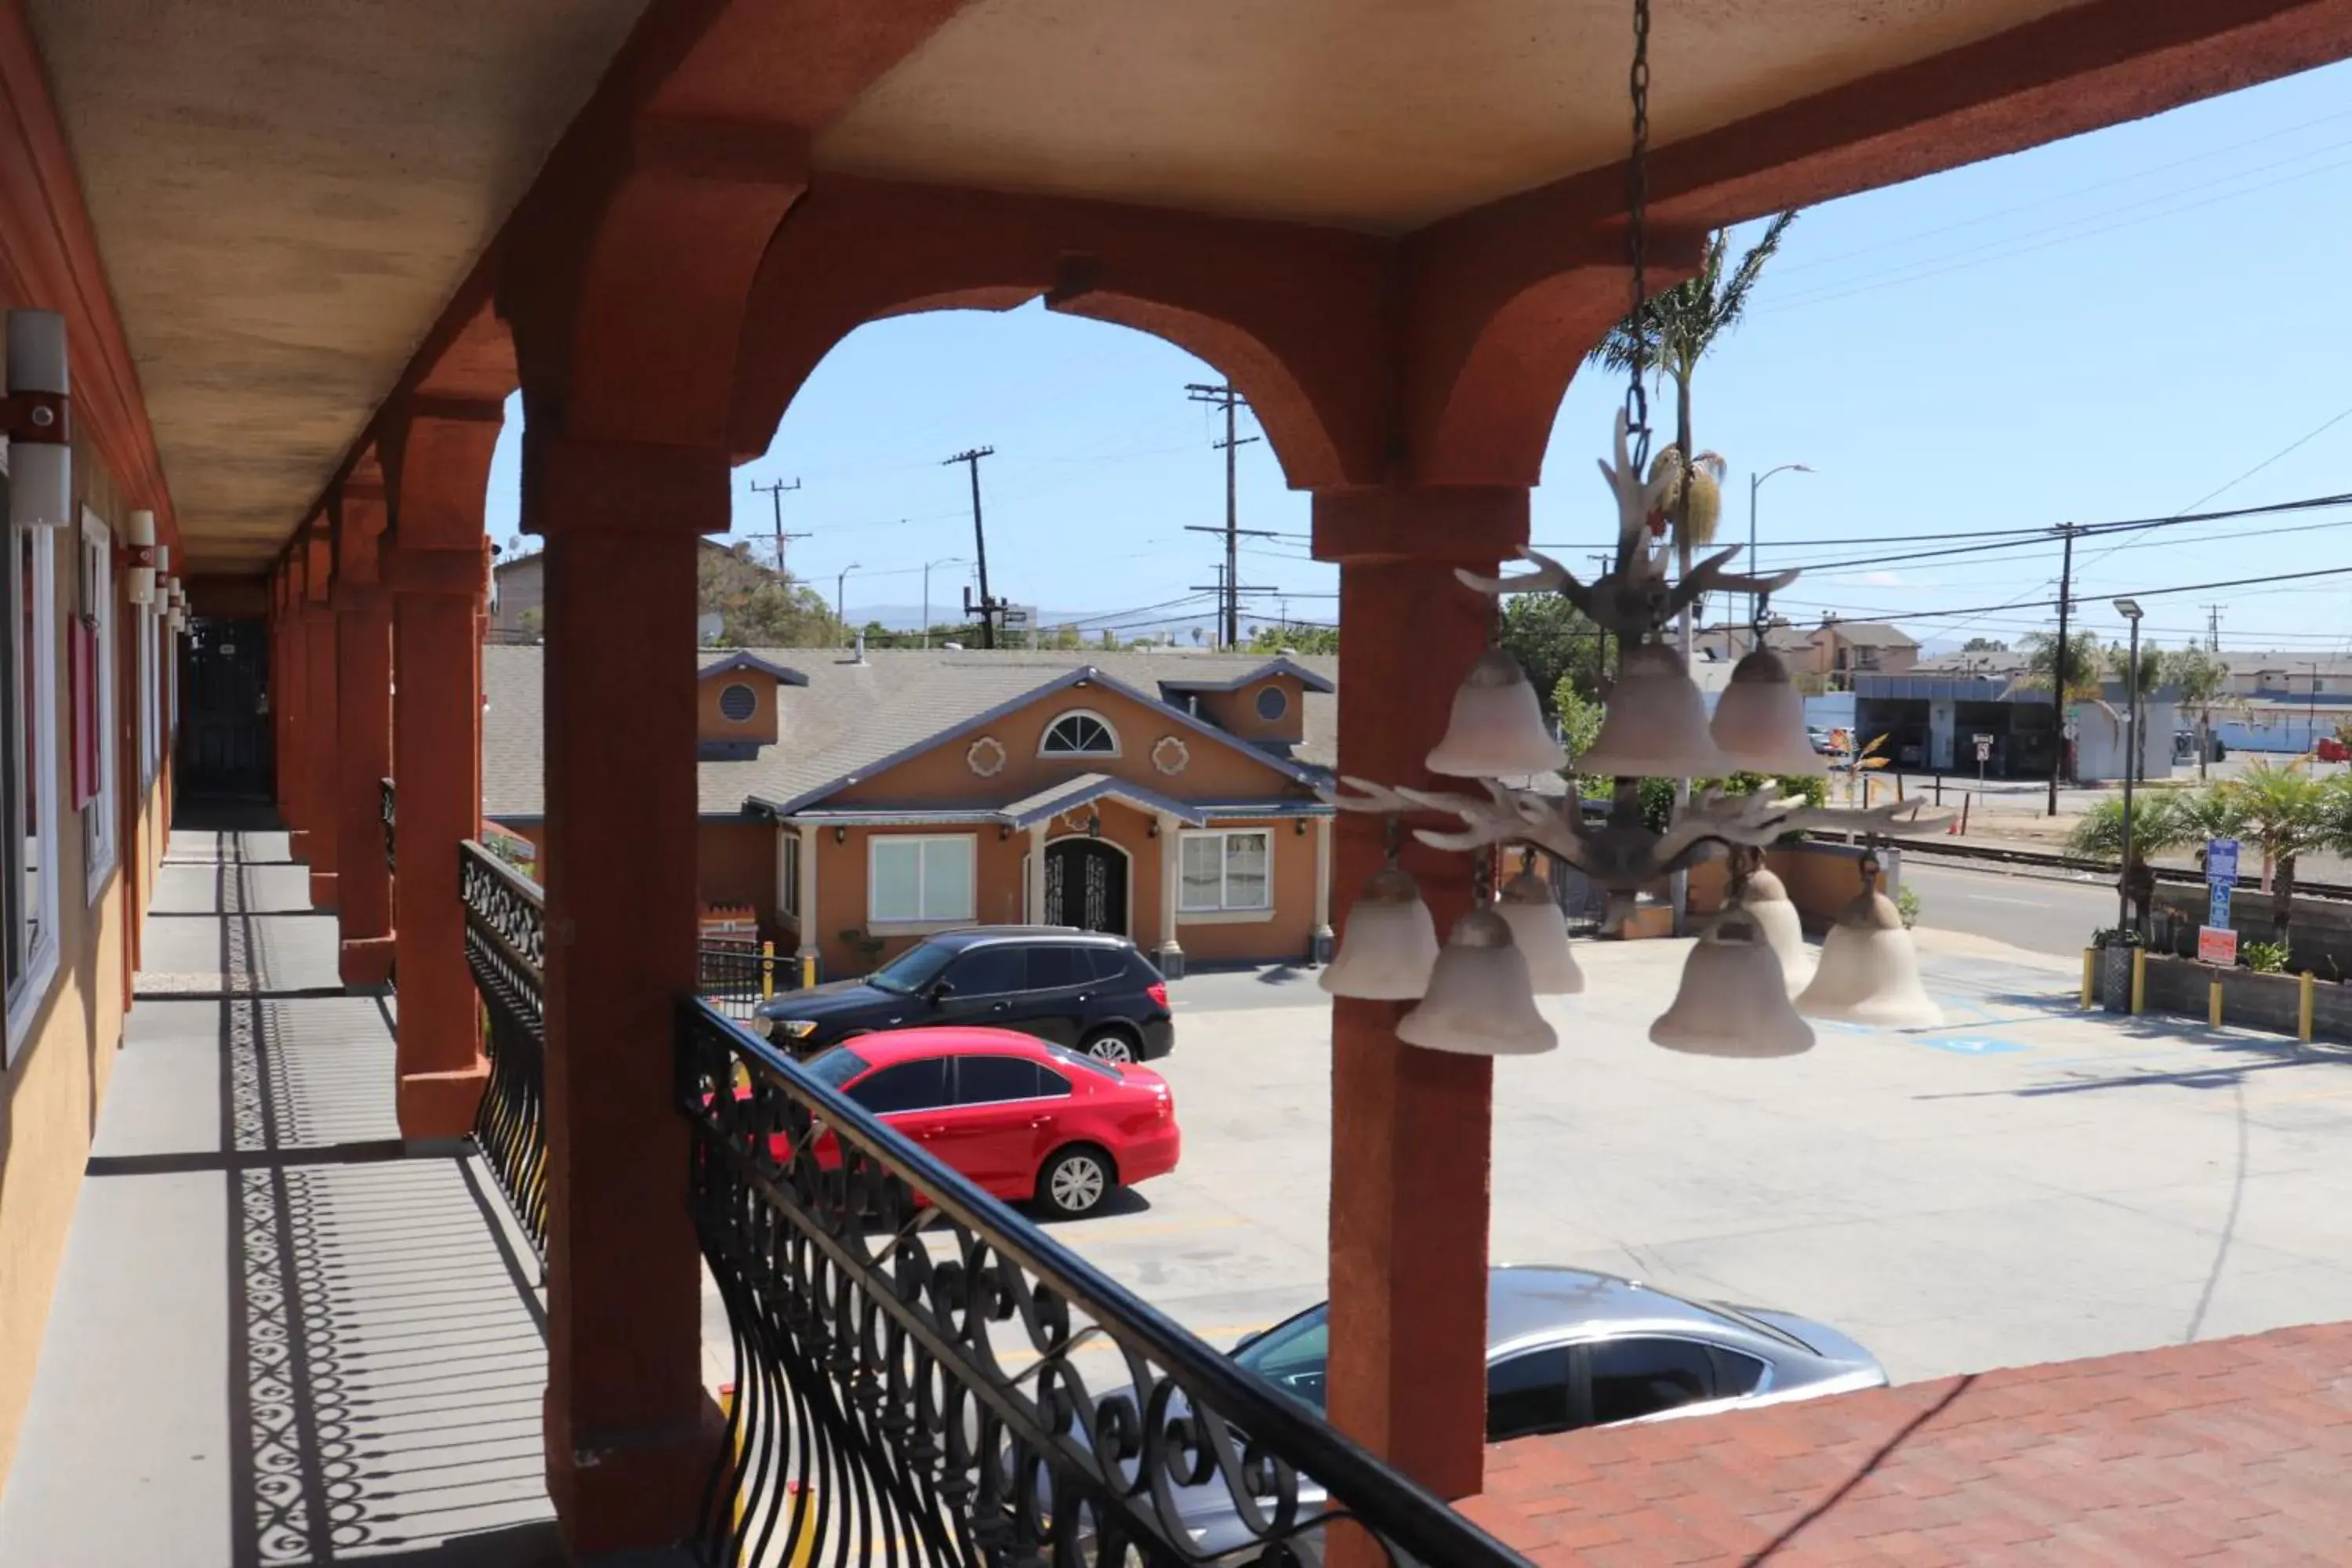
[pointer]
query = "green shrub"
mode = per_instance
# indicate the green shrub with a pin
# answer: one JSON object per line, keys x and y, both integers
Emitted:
{"x": 2265, "y": 957}
{"x": 1907, "y": 904}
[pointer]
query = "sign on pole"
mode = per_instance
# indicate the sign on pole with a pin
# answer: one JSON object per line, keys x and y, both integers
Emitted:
{"x": 2220, "y": 859}
{"x": 2217, "y": 909}
{"x": 1984, "y": 748}
{"x": 2217, "y": 947}
{"x": 1017, "y": 618}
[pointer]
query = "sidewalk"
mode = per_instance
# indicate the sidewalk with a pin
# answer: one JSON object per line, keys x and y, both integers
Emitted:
{"x": 281, "y": 1335}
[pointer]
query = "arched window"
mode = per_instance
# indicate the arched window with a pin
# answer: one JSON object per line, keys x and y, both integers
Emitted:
{"x": 738, "y": 702}
{"x": 1079, "y": 735}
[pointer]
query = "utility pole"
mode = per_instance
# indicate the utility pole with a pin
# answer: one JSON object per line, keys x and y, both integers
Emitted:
{"x": 2058, "y": 664}
{"x": 1226, "y": 396}
{"x": 970, "y": 457}
{"x": 1226, "y": 589}
{"x": 2213, "y": 629}
{"x": 1228, "y": 603}
{"x": 775, "y": 492}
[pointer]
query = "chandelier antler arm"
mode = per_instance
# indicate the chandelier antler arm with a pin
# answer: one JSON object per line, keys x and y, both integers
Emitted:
{"x": 1897, "y": 819}
{"x": 1364, "y": 795}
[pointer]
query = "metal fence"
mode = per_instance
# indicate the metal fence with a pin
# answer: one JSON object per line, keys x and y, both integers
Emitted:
{"x": 506, "y": 947}
{"x": 912, "y": 1384}
{"x": 735, "y": 977}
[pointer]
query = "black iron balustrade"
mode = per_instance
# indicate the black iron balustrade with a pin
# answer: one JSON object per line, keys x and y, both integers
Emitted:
{"x": 877, "y": 1419}
{"x": 735, "y": 977}
{"x": 506, "y": 947}
{"x": 388, "y": 807}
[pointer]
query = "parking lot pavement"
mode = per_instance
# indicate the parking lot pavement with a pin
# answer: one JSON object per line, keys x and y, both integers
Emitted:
{"x": 2025, "y": 1183}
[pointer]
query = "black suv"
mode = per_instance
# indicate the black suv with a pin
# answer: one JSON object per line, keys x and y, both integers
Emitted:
{"x": 1085, "y": 990}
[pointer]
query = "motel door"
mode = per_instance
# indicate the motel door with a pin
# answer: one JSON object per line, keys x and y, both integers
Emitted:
{"x": 224, "y": 731}
{"x": 1085, "y": 885}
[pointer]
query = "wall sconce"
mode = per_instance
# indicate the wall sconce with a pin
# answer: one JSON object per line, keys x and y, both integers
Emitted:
{"x": 1004, "y": 831}
{"x": 37, "y": 416}
{"x": 840, "y": 834}
{"x": 1298, "y": 828}
{"x": 1151, "y": 829}
{"x": 1094, "y": 826}
{"x": 139, "y": 554}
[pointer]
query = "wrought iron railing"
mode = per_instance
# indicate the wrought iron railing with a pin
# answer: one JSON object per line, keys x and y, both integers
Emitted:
{"x": 735, "y": 977}
{"x": 907, "y": 1385}
{"x": 387, "y": 806}
{"x": 506, "y": 947}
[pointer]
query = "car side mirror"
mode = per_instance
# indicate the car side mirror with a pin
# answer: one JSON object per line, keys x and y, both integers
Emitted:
{"x": 941, "y": 991}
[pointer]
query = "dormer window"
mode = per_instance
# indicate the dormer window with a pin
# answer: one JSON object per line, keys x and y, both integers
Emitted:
{"x": 1079, "y": 735}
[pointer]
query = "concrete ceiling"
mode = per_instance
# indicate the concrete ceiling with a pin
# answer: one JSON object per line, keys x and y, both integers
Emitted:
{"x": 287, "y": 192}
{"x": 1376, "y": 114}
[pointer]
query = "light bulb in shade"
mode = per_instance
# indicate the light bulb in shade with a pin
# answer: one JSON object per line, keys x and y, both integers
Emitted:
{"x": 1734, "y": 1000}
{"x": 1767, "y": 905}
{"x": 1655, "y": 726}
{"x": 1760, "y": 719}
{"x": 1539, "y": 931}
{"x": 1388, "y": 945}
{"x": 40, "y": 470}
{"x": 1480, "y": 1002}
{"x": 1869, "y": 972}
{"x": 1497, "y": 729}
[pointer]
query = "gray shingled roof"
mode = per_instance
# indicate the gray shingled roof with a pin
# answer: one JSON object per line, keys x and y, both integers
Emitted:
{"x": 852, "y": 715}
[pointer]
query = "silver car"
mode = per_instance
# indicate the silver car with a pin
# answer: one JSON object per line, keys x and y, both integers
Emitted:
{"x": 1567, "y": 1348}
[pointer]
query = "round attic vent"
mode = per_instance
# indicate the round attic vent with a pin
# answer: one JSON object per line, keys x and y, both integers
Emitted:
{"x": 738, "y": 702}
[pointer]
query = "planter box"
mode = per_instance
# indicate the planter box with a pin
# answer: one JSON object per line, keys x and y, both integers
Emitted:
{"x": 2320, "y": 939}
{"x": 2249, "y": 1001}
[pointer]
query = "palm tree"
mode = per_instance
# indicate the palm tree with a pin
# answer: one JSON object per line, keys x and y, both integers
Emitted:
{"x": 2157, "y": 822}
{"x": 2153, "y": 664}
{"x": 2086, "y": 664}
{"x": 2288, "y": 813}
{"x": 2201, "y": 678}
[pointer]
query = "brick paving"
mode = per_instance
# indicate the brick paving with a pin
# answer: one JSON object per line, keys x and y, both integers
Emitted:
{"x": 2231, "y": 1450}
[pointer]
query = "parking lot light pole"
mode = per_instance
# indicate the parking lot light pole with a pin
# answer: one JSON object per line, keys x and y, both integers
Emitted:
{"x": 1755, "y": 483}
{"x": 2129, "y": 609}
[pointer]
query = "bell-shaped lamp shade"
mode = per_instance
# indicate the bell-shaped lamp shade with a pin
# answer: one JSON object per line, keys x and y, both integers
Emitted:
{"x": 1539, "y": 931}
{"x": 1497, "y": 731}
{"x": 40, "y": 465}
{"x": 1766, "y": 906}
{"x": 1656, "y": 723}
{"x": 1389, "y": 945}
{"x": 1734, "y": 1000}
{"x": 139, "y": 538}
{"x": 1869, "y": 972}
{"x": 1760, "y": 719}
{"x": 1480, "y": 1001}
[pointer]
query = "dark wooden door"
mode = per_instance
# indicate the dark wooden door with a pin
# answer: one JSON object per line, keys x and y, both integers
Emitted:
{"x": 223, "y": 711}
{"x": 1085, "y": 885}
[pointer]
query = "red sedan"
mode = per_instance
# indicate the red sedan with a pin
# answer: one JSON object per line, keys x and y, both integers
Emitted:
{"x": 1022, "y": 1118}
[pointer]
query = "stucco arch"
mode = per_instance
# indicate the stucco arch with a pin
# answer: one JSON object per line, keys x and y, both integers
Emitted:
{"x": 1292, "y": 315}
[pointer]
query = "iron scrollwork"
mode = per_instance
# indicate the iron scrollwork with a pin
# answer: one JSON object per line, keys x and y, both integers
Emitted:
{"x": 506, "y": 947}
{"x": 907, "y": 1376}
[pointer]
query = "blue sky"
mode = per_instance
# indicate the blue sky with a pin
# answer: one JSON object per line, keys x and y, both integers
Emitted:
{"x": 2122, "y": 325}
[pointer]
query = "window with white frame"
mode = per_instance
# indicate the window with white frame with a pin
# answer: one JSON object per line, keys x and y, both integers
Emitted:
{"x": 96, "y": 709}
{"x": 788, "y": 895}
{"x": 1228, "y": 871}
{"x": 149, "y": 637}
{"x": 925, "y": 878}
{"x": 1079, "y": 735}
{"x": 28, "y": 778}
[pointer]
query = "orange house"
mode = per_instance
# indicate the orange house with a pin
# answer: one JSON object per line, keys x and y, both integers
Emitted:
{"x": 859, "y": 803}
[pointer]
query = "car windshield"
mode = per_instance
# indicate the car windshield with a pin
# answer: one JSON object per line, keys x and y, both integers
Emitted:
{"x": 912, "y": 970}
{"x": 834, "y": 1068}
{"x": 1292, "y": 1355}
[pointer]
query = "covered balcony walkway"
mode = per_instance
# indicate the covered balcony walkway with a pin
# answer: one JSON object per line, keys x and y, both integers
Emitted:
{"x": 282, "y": 1335}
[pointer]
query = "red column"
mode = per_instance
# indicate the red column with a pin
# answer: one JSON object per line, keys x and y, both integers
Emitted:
{"x": 440, "y": 470}
{"x": 628, "y": 1443}
{"x": 292, "y": 651}
{"x": 1409, "y": 1260}
{"x": 319, "y": 693}
{"x": 362, "y": 758}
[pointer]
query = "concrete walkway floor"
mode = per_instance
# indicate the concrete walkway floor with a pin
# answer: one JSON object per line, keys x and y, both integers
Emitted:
{"x": 281, "y": 1335}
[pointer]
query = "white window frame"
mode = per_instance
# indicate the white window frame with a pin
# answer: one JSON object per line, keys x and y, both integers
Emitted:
{"x": 96, "y": 583}
{"x": 1063, "y": 718}
{"x": 148, "y": 640}
{"x": 788, "y": 872}
{"x": 921, "y": 921}
{"x": 31, "y": 989}
{"x": 1224, "y": 910}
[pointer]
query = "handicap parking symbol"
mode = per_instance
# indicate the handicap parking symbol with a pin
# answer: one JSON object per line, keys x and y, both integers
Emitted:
{"x": 1969, "y": 1045}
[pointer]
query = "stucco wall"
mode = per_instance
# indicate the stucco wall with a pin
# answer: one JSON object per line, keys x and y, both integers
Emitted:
{"x": 50, "y": 1095}
{"x": 735, "y": 863}
{"x": 710, "y": 724}
{"x": 1286, "y": 936}
{"x": 1237, "y": 710}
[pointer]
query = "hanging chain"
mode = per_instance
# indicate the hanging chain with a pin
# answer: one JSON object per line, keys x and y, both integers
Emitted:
{"x": 1637, "y": 238}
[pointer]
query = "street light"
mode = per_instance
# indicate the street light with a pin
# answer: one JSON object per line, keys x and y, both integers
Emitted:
{"x": 839, "y": 581}
{"x": 1755, "y": 483}
{"x": 2130, "y": 611}
{"x": 944, "y": 561}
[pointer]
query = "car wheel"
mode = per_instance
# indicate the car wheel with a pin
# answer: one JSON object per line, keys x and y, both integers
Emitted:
{"x": 1110, "y": 1046}
{"x": 1077, "y": 1181}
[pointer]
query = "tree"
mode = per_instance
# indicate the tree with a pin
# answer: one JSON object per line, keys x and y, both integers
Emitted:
{"x": 2201, "y": 679}
{"x": 2289, "y": 814}
{"x": 2152, "y": 667}
{"x": 1983, "y": 644}
{"x": 2157, "y": 824}
{"x": 2087, "y": 663}
{"x": 1579, "y": 720}
{"x": 1552, "y": 641}
{"x": 757, "y": 608}
{"x": 1298, "y": 639}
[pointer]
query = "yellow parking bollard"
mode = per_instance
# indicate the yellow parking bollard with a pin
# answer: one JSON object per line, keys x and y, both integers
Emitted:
{"x": 2303, "y": 1014}
{"x": 2090, "y": 973}
{"x": 767, "y": 972}
{"x": 2213, "y": 1002}
{"x": 808, "y": 970}
{"x": 2139, "y": 981}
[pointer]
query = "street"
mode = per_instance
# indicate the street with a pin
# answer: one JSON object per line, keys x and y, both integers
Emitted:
{"x": 2049, "y": 912}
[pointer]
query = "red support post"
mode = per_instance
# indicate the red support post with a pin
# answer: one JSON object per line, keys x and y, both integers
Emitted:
{"x": 362, "y": 758}
{"x": 320, "y": 690}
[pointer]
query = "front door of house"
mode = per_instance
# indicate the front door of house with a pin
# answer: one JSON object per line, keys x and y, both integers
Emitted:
{"x": 1085, "y": 885}
{"x": 224, "y": 715}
